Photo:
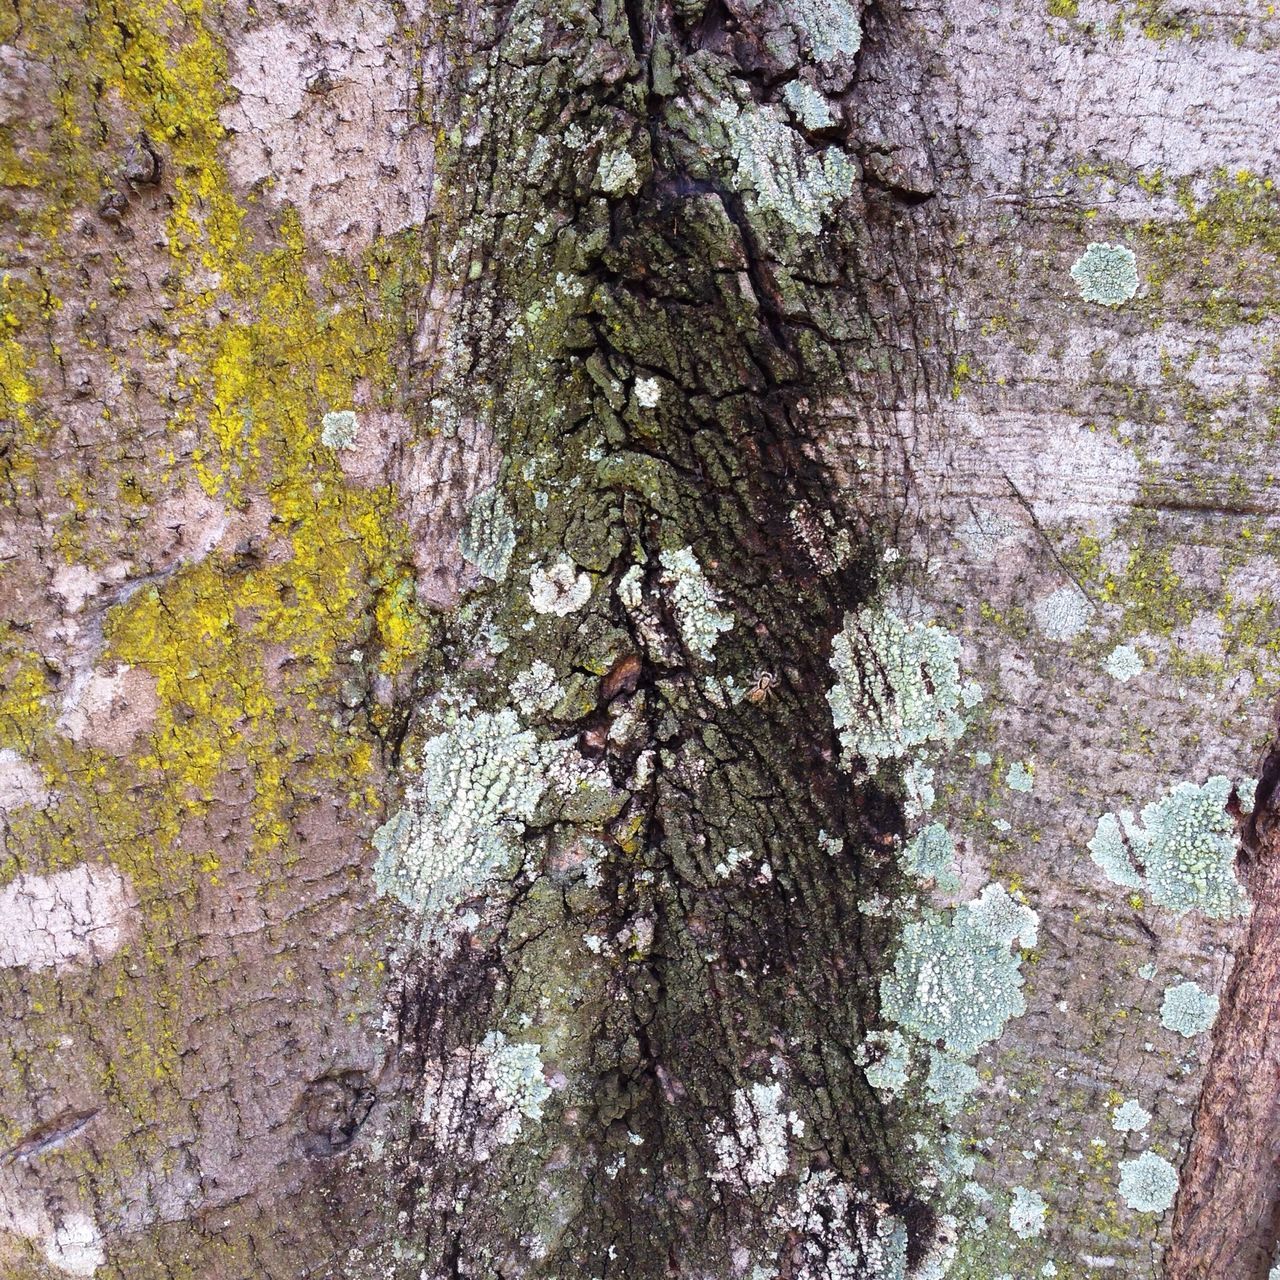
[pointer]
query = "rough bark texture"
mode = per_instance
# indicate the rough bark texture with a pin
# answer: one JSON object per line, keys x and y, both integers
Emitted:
{"x": 1228, "y": 1213}
{"x": 582, "y": 583}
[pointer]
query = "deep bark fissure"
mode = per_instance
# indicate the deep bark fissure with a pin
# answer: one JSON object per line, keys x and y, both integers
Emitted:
{"x": 725, "y": 465}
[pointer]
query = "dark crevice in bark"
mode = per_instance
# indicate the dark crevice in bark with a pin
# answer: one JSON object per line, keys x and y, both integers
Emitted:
{"x": 735, "y": 973}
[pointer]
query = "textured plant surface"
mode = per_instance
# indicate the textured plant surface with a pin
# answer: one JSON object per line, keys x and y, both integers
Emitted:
{"x": 637, "y": 638}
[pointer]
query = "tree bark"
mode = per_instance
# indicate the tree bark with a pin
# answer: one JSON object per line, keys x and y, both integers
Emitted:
{"x": 627, "y": 630}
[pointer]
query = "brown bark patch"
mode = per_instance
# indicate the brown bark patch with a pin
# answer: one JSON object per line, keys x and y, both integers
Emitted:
{"x": 1227, "y": 1217}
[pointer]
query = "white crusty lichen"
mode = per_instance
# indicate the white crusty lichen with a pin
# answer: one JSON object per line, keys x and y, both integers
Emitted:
{"x": 694, "y": 602}
{"x": 479, "y": 785}
{"x": 536, "y": 688}
{"x": 1149, "y": 1183}
{"x": 617, "y": 172}
{"x": 897, "y": 686}
{"x": 1106, "y": 273}
{"x": 830, "y": 28}
{"x": 560, "y": 590}
{"x": 20, "y": 781}
{"x": 1185, "y": 844}
{"x": 489, "y": 536}
{"x": 514, "y": 1072}
{"x": 917, "y": 778}
{"x": 1130, "y": 1117}
{"x": 1063, "y": 614}
{"x": 753, "y": 1149}
{"x": 339, "y": 429}
{"x": 984, "y": 534}
{"x": 838, "y": 1236}
{"x": 1187, "y": 1009}
{"x": 76, "y": 916}
{"x": 955, "y": 983}
{"x": 76, "y": 1247}
{"x": 481, "y": 1098}
{"x": 1123, "y": 663}
{"x": 781, "y": 170}
{"x": 648, "y": 392}
{"x": 1026, "y": 1213}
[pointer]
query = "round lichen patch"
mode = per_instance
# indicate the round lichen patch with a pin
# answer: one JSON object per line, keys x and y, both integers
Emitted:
{"x": 1107, "y": 274}
{"x": 1148, "y": 1183}
{"x": 1188, "y": 1010}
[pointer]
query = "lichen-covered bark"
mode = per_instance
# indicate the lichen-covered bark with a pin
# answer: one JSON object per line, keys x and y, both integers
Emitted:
{"x": 628, "y": 628}
{"x": 1225, "y": 1222}
{"x": 648, "y": 352}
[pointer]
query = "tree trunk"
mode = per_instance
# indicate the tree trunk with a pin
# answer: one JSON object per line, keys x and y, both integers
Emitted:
{"x": 636, "y": 634}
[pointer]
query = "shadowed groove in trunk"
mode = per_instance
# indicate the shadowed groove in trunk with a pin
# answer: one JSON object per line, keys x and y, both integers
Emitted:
{"x": 744, "y": 327}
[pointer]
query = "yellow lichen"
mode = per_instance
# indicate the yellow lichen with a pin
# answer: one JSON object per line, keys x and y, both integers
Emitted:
{"x": 261, "y": 336}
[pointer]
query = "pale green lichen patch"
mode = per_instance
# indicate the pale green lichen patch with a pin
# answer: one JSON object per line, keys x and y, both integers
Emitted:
{"x": 1004, "y": 918}
{"x": 1027, "y": 1213}
{"x": 807, "y": 105}
{"x": 950, "y": 1081}
{"x": 885, "y": 1058}
{"x": 930, "y": 854}
{"x": 694, "y": 602}
{"x": 955, "y": 982}
{"x": 1189, "y": 850}
{"x": 1106, "y": 274}
{"x": 780, "y": 171}
{"x": 489, "y": 536}
{"x": 1130, "y": 1117}
{"x": 339, "y": 429}
{"x": 1247, "y": 792}
{"x": 617, "y": 172}
{"x": 1185, "y": 845}
{"x": 1123, "y": 663}
{"x": 1109, "y": 850}
{"x": 897, "y": 686}
{"x": 1149, "y": 1183}
{"x": 1019, "y": 777}
{"x": 830, "y": 27}
{"x": 1063, "y": 614}
{"x": 1188, "y": 1010}
{"x": 479, "y": 785}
